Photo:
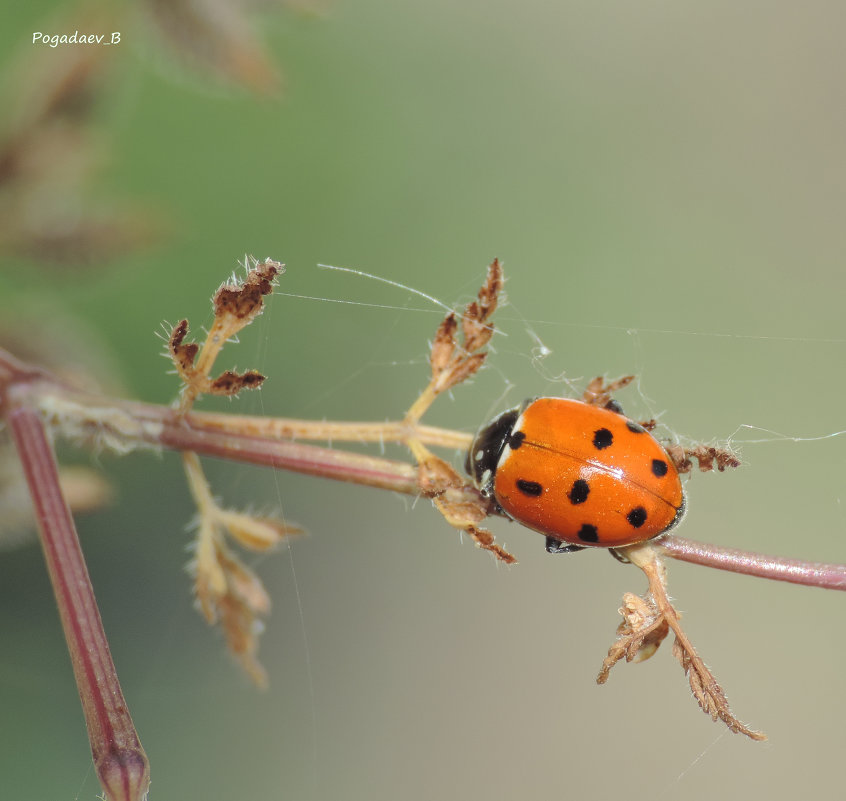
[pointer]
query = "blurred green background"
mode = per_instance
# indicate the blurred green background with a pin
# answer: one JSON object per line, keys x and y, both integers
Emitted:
{"x": 665, "y": 183}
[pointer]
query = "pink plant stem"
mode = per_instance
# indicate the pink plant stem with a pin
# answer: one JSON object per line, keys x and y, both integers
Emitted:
{"x": 205, "y": 434}
{"x": 777, "y": 568}
{"x": 119, "y": 759}
{"x": 295, "y": 456}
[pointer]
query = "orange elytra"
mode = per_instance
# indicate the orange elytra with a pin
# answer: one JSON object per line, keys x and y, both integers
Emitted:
{"x": 582, "y": 475}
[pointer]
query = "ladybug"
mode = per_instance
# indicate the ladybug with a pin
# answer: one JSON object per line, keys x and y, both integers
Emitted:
{"x": 583, "y": 475}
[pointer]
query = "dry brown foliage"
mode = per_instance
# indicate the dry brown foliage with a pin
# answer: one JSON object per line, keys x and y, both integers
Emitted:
{"x": 236, "y": 305}
{"x": 646, "y": 622}
{"x": 707, "y": 456}
{"x": 452, "y": 362}
{"x": 227, "y": 591}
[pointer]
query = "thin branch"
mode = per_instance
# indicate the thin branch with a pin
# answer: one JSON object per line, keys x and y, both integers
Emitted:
{"x": 125, "y": 425}
{"x": 777, "y": 568}
{"x": 119, "y": 758}
{"x": 312, "y": 460}
{"x": 329, "y": 430}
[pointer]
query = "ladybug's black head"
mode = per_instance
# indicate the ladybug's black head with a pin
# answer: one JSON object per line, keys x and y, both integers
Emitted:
{"x": 484, "y": 453}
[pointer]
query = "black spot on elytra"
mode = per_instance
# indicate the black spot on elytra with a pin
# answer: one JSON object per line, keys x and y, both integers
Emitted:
{"x": 659, "y": 468}
{"x": 634, "y": 427}
{"x": 588, "y": 533}
{"x": 637, "y": 516}
{"x": 516, "y": 440}
{"x": 530, "y": 488}
{"x": 579, "y": 491}
{"x": 602, "y": 438}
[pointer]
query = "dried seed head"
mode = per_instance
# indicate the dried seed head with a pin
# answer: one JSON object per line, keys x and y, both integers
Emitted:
{"x": 443, "y": 346}
{"x": 491, "y": 289}
{"x": 707, "y": 456}
{"x": 476, "y": 329}
{"x": 244, "y": 584}
{"x": 228, "y": 592}
{"x": 708, "y": 694}
{"x": 476, "y": 335}
{"x": 183, "y": 354}
{"x": 245, "y": 301}
{"x": 452, "y": 364}
{"x": 640, "y": 630}
{"x": 461, "y": 371}
{"x": 236, "y": 305}
{"x": 598, "y": 393}
{"x": 643, "y": 629}
{"x": 485, "y": 540}
{"x": 231, "y": 383}
{"x": 460, "y": 503}
{"x": 257, "y": 533}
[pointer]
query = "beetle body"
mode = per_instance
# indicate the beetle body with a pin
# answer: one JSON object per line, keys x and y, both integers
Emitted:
{"x": 580, "y": 474}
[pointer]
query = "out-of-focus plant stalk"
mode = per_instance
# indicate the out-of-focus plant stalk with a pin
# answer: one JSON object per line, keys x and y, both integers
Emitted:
{"x": 119, "y": 759}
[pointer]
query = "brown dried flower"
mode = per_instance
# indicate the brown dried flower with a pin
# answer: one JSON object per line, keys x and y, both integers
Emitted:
{"x": 236, "y": 305}
{"x": 647, "y": 620}
{"x": 455, "y": 497}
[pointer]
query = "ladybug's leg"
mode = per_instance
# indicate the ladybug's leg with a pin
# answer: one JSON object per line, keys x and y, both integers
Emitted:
{"x": 708, "y": 458}
{"x": 557, "y": 546}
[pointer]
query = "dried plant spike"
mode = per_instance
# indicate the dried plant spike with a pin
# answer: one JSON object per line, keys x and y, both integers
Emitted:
{"x": 484, "y": 540}
{"x": 231, "y": 383}
{"x": 636, "y": 632}
{"x": 244, "y": 300}
{"x": 643, "y": 629}
{"x": 239, "y": 609}
{"x": 475, "y": 328}
{"x": 236, "y": 304}
{"x": 443, "y": 346}
{"x": 490, "y": 291}
{"x": 453, "y": 363}
{"x": 257, "y": 533}
{"x": 463, "y": 370}
{"x": 183, "y": 354}
{"x": 227, "y": 591}
{"x": 460, "y": 503}
{"x": 707, "y": 457}
{"x": 598, "y": 393}
{"x": 453, "y": 495}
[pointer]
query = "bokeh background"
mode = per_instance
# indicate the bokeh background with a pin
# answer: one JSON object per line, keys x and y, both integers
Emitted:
{"x": 665, "y": 183}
